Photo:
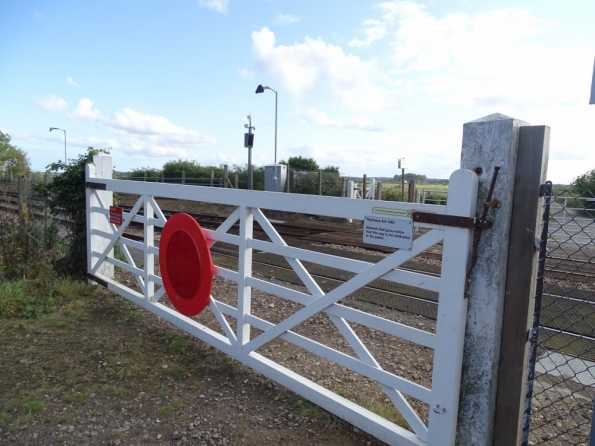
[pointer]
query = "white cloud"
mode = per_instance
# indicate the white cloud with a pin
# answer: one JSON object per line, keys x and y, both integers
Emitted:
{"x": 287, "y": 19}
{"x": 245, "y": 72}
{"x": 85, "y": 110}
{"x": 462, "y": 42}
{"x": 93, "y": 141}
{"x": 72, "y": 82}
{"x": 321, "y": 119}
{"x": 315, "y": 66}
{"x": 51, "y": 103}
{"x": 373, "y": 30}
{"x": 215, "y": 5}
{"x": 488, "y": 58}
{"x": 138, "y": 132}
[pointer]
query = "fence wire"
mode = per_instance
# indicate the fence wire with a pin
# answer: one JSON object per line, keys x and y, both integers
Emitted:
{"x": 561, "y": 385}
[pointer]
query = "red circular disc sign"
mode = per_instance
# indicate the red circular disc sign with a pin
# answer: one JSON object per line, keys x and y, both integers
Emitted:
{"x": 186, "y": 266}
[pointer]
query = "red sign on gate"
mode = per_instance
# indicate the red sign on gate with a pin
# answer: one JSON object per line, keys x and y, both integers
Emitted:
{"x": 186, "y": 266}
{"x": 115, "y": 215}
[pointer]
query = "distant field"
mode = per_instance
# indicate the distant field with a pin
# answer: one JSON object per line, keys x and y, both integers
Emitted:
{"x": 433, "y": 193}
{"x": 440, "y": 187}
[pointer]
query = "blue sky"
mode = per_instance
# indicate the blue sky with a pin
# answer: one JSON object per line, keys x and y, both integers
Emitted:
{"x": 360, "y": 84}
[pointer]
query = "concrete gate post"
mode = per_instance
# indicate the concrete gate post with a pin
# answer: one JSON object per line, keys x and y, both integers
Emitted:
{"x": 101, "y": 168}
{"x": 487, "y": 143}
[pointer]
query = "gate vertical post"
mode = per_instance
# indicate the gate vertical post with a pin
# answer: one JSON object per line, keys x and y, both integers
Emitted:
{"x": 452, "y": 307}
{"x": 149, "y": 257}
{"x": 101, "y": 168}
{"x": 245, "y": 272}
{"x": 487, "y": 143}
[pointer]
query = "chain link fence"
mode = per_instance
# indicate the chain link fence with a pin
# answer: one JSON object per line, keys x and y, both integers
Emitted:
{"x": 561, "y": 385}
{"x": 316, "y": 183}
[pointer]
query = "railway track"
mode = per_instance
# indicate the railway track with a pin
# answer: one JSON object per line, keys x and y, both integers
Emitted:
{"x": 571, "y": 311}
{"x": 559, "y": 268}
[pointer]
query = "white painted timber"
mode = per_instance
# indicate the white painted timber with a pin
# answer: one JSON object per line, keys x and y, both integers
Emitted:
{"x": 235, "y": 338}
{"x": 592, "y": 99}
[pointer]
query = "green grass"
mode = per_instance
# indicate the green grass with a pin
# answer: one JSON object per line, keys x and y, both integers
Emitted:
{"x": 178, "y": 346}
{"x": 114, "y": 390}
{"x": 12, "y": 298}
{"x": 34, "y": 406}
{"x": 176, "y": 369}
{"x": 129, "y": 316}
{"x": 77, "y": 398}
{"x": 168, "y": 410}
{"x": 388, "y": 411}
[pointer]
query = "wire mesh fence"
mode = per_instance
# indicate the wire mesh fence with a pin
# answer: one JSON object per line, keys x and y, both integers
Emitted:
{"x": 561, "y": 386}
{"x": 316, "y": 183}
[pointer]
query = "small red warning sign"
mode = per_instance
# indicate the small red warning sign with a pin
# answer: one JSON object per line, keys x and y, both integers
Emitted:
{"x": 115, "y": 215}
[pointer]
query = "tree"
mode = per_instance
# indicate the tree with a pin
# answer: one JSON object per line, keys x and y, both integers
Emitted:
{"x": 13, "y": 161}
{"x": 301, "y": 163}
{"x": 584, "y": 184}
{"x": 331, "y": 169}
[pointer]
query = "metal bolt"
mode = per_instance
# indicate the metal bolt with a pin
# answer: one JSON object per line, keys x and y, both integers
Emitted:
{"x": 478, "y": 170}
{"x": 439, "y": 409}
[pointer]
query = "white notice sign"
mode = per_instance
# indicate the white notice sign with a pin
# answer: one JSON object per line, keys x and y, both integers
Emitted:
{"x": 396, "y": 233}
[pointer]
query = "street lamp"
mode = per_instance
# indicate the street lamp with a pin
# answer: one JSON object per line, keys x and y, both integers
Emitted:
{"x": 56, "y": 128}
{"x": 260, "y": 89}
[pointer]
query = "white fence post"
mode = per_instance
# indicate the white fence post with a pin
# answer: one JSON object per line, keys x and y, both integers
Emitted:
{"x": 101, "y": 168}
{"x": 487, "y": 143}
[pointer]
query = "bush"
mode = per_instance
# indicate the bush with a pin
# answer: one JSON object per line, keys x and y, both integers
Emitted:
{"x": 191, "y": 169}
{"x": 584, "y": 184}
{"x": 66, "y": 199}
{"x": 146, "y": 174}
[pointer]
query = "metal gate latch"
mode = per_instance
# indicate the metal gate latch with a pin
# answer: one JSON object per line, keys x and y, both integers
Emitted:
{"x": 451, "y": 220}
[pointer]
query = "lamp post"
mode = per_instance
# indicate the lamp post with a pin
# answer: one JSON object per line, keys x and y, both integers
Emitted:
{"x": 260, "y": 89}
{"x": 56, "y": 128}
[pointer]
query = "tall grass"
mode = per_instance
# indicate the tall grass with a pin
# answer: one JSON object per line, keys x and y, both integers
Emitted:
{"x": 30, "y": 246}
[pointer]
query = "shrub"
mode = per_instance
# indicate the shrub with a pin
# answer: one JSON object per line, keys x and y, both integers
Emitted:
{"x": 66, "y": 199}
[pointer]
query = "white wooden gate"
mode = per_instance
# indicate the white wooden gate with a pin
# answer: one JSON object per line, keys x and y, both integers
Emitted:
{"x": 442, "y": 396}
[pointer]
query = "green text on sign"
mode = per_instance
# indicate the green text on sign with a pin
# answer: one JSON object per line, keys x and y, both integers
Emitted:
{"x": 392, "y": 212}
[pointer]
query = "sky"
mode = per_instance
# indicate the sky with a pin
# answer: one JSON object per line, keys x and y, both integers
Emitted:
{"x": 359, "y": 84}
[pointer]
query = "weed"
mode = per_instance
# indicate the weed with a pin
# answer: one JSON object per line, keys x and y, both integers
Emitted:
{"x": 78, "y": 398}
{"x": 54, "y": 321}
{"x": 34, "y": 406}
{"x": 178, "y": 346}
{"x": 129, "y": 316}
{"x": 168, "y": 410}
{"x": 31, "y": 351}
{"x": 12, "y": 298}
{"x": 20, "y": 421}
{"x": 69, "y": 290}
{"x": 119, "y": 255}
{"x": 177, "y": 369}
{"x": 114, "y": 390}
